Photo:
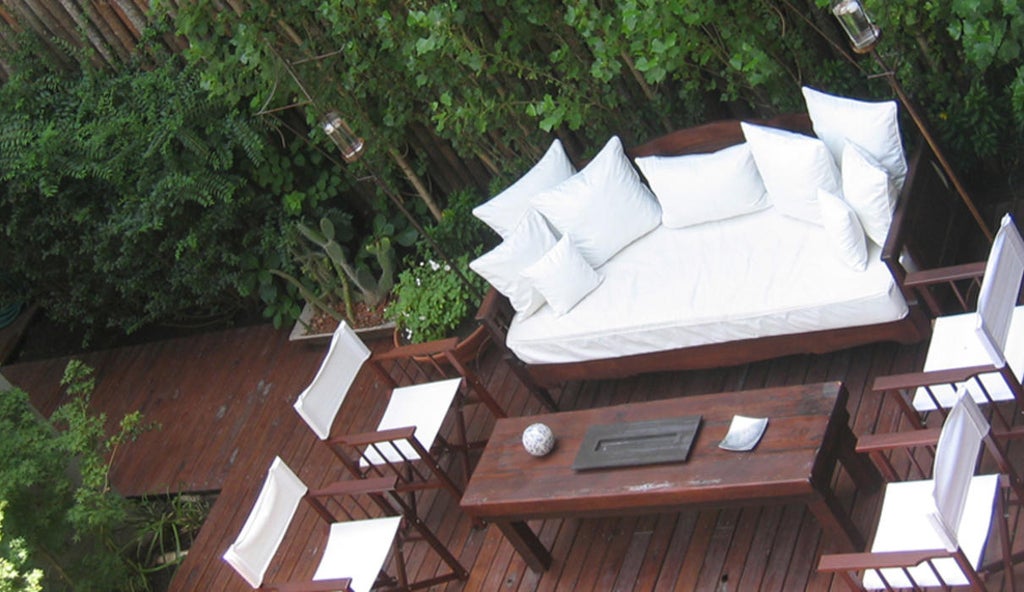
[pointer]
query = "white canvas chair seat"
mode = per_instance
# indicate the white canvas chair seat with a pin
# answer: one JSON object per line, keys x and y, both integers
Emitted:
{"x": 421, "y": 405}
{"x": 953, "y": 345}
{"x": 357, "y": 550}
{"x": 903, "y": 525}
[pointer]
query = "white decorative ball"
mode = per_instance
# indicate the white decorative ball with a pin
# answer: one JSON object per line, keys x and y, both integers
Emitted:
{"x": 538, "y": 439}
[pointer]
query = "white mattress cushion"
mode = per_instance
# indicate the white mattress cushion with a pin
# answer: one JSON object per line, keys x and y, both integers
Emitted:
{"x": 750, "y": 276}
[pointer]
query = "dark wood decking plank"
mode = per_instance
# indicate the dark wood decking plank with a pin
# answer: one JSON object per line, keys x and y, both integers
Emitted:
{"x": 718, "y": 547}
{"x": 640, "y": 541}
{"x": 760, "y": 549}
{"x": 696, "y": 551}
{"x": 657, "y": 554}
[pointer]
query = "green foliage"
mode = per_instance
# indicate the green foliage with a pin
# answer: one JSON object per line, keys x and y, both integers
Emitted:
{"x": 54, "y": 482}
{"x": 16, "y": 574}
{"x": 124, "y": 194}
{"x": 115, "y": 182}
{"x": 164, "y": 529}
{"x": 431, "y": 300}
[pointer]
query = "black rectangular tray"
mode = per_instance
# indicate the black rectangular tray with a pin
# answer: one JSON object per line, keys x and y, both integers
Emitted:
{"x": 637, "y": 443}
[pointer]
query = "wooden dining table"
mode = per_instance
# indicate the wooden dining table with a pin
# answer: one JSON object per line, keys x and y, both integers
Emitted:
{"x": 808, "y": 431}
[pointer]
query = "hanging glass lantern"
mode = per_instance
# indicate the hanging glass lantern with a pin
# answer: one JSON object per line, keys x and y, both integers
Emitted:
{"x": 341, "y": 134}
{"x": 862, "y": 32}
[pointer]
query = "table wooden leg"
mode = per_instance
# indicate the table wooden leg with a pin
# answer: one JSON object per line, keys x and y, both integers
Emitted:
{"x": 863, "y": 472}
{"x": 526, "y": 543}
{"x": 835, "y": 521}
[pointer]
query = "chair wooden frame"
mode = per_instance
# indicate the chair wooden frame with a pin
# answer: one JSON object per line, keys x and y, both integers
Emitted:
{"x": 395, "y": 450}
{"x": 981, "y": 337}
{"x": 273, "y": 514}
{"x": 880, "y": 448}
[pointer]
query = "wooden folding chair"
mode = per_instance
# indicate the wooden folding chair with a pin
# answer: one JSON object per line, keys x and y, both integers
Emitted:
{"x": 357, "y": 549}
{"x": 983, "y": 350}
{"x": 407, "y": 439}
{"x": 934, "y": 532}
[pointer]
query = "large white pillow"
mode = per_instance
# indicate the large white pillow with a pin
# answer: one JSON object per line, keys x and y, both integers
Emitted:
{"x": 874, "y": 126}
{"x": 845, "y": 234}
{"x": 503, "y": 211}
{"x": 869, "y": 191}
{"x": 562, "y": 276}
{"x": 604, "y": 207}
{"x": 697, "y": 188}
{"x": 793, "y": 167}
{"x": 502, "y": 265}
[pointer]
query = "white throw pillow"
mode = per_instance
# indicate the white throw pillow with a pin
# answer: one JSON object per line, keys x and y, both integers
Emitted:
{"x": 604, "y": 207}
{"x": 793, "y": 167}
{"x": 503, "y": 211}
{"x": 869, "y": 191}
{"x": 874, "y": 126}
{"x": 697, "y": 188}
{"x": 562, "y": 276}
{"x": 845, "y": 233}
{"x": 502, "y": 265}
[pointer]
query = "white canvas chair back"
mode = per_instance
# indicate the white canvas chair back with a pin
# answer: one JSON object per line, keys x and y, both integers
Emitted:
{"x": 319, "y": 403}
{"x": 1000, "y": 288}
{"x": 956, "y": 457}
{"x": 252, "y": 551}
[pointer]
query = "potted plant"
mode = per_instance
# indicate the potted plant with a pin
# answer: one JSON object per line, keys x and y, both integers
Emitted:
{"x": 336, "y": 288}
{"x": 432, "y": 302}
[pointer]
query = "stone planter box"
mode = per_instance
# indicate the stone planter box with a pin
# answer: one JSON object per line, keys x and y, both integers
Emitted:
{"x": 367, "y": 333}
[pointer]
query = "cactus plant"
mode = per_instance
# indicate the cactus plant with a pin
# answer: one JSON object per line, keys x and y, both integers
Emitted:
{"x": 335, "y": 275}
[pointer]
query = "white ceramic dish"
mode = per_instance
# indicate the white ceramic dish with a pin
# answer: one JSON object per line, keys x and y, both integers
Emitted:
{"x": 744, "y": 433}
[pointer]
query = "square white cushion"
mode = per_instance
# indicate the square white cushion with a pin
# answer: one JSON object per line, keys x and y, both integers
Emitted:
{"x": 502, "y": 265}
{"x": 697, "y": 188}
{"x": 793, "y": 167}
{"x": 844, "y": 230}
{"x": 563, "y": 276}
{"x": 503, "y": 211}
{"x": 869, "y": 190}
{"x": 874, "y": 126}
{"x": 604, "y": 207}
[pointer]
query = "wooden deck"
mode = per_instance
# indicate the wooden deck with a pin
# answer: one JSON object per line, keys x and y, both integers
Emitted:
{"x": 224, "y": 402}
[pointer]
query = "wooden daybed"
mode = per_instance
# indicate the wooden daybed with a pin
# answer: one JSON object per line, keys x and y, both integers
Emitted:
{"x": 923, "y": 231}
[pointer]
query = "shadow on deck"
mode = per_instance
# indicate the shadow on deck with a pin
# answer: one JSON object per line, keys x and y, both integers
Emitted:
{"x": 224, "y": 402}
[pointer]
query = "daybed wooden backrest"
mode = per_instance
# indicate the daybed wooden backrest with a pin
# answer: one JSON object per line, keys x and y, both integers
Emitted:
{"x": 716, "y": 135}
